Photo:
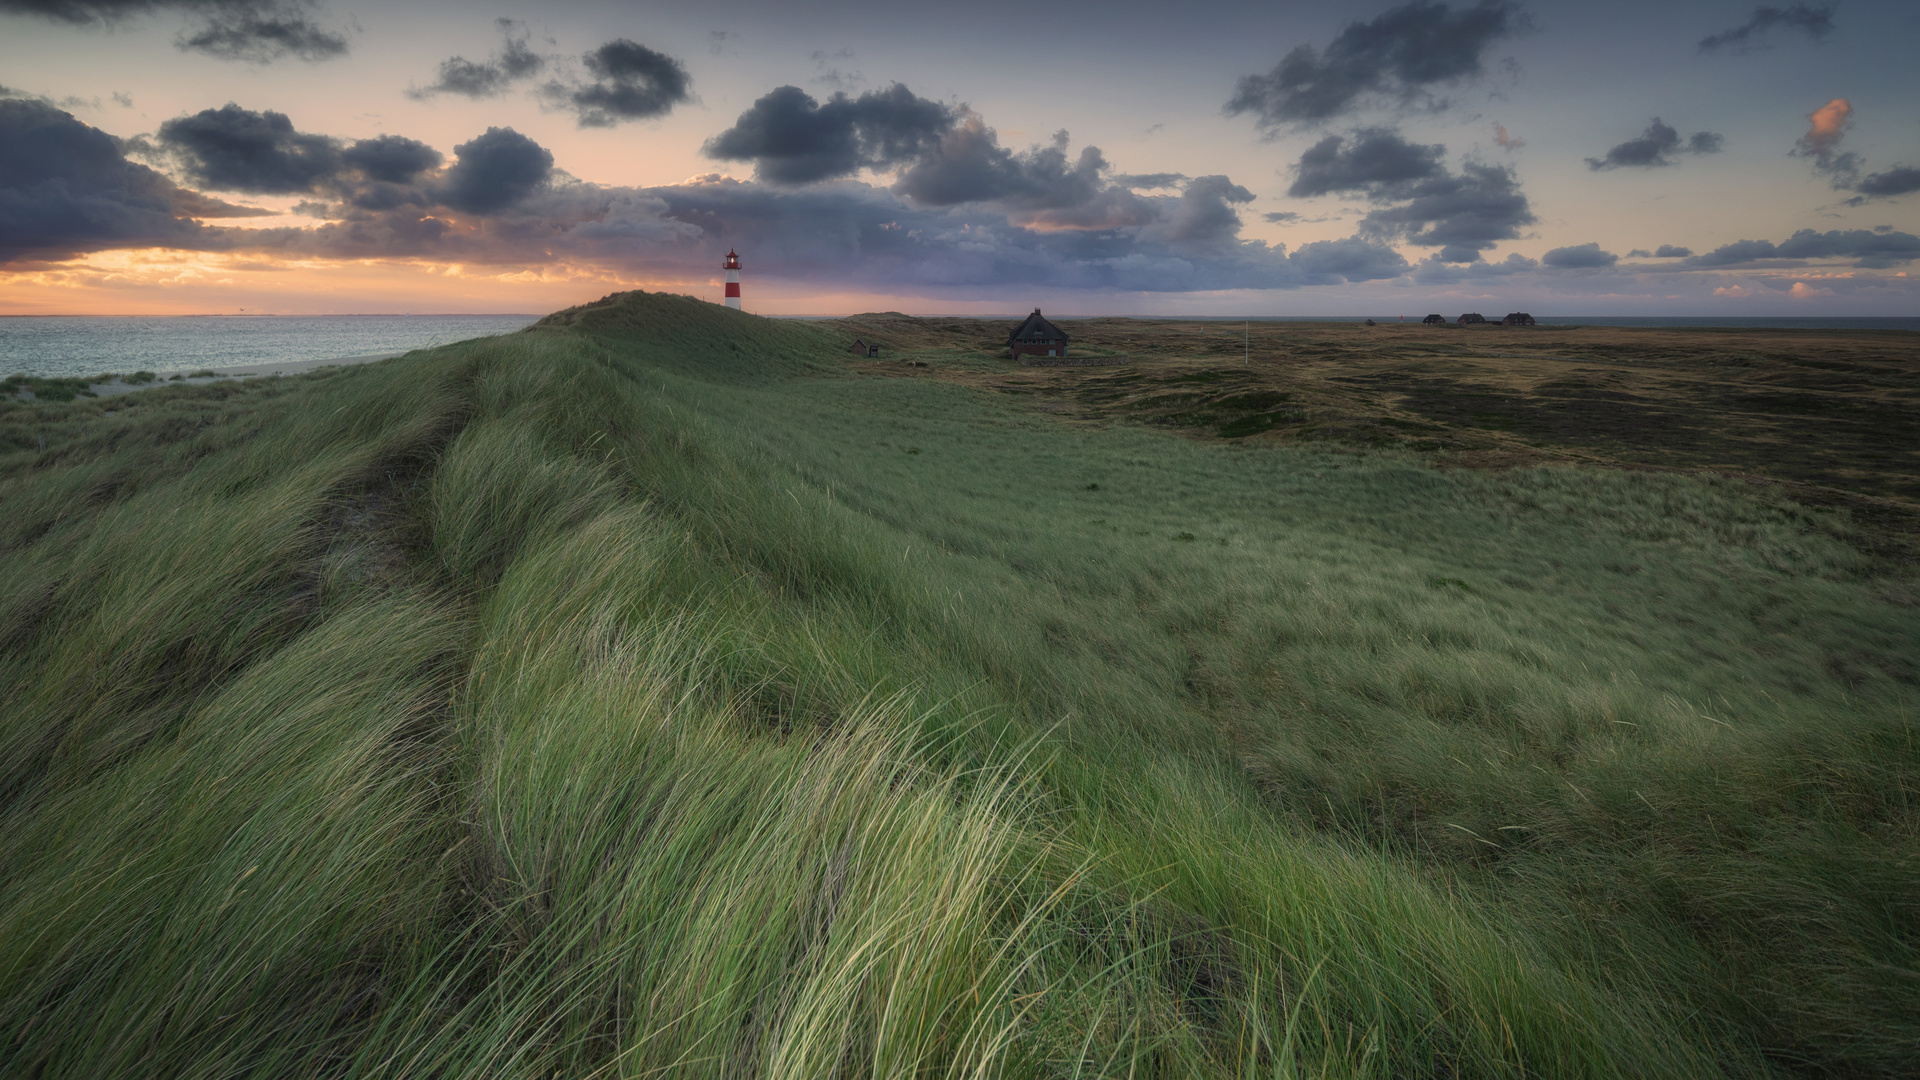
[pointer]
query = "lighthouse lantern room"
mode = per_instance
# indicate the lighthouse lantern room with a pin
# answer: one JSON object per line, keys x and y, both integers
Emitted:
{"x": 732, "y": 267}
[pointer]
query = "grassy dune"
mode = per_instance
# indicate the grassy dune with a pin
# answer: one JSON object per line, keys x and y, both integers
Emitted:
{"x": 649, "y": 693}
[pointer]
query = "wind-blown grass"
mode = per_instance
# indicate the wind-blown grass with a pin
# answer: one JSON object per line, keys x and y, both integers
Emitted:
{"x": 640, "y": 695}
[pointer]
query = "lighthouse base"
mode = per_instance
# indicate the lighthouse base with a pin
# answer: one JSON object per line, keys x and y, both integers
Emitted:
{"x": 733, "y": 302}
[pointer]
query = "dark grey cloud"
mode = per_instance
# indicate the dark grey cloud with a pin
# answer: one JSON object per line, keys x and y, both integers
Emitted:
{"x": 1668, "y": 251}
{"x": 391, "y": 159}
{"x": 1873, "y": 249}
{"x": 1656, "y": 147}
{"x": 1899, "y": 180}
{"x": 1354, "y": 258}
{"x": 1579, "y": 257}
{"x": 1149, "y": 181}
{"x": 1399, "y": 57}
{"x": 1438, "y": 270}
{"x": 236, "y": 149}
{"x": 496, "y": 170}
{"x": 1281, "y": 217}
{"x": 262, "y": 32}
{"x": 1462, "y": 213}
{"x": 259, "y": 31}
{"x": 1371, "y": 158}
{"x": 67, "y": 189}
{"x": 1040, "y": 185}
{"x": 1813, "y": 20}
{"x": 630, "y": 82}
{"x": 1204, "y": 217}
{"x": 493, "y": 76}
{"x": 793, "y": 139}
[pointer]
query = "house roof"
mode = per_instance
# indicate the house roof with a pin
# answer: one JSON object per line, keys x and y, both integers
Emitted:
{"x": 1036, "y": 325}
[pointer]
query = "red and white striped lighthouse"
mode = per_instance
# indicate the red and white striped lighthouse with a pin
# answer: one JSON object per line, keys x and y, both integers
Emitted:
{"x": 732, "y": 267}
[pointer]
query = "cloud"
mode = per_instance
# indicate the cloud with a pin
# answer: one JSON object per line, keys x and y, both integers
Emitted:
{"x": 1900, "y": 180}
{"x": 391, "y": 159}
{"x": 1281, "y": 217}
{"x": 793, "y": 139}
{"x": 631, "y": 82}
{"x": 259, "y": 31}
{"x": 1399, "y": 57}
{"x": 1149, "y": 181}
{"x": 1462, "y": 213}
{"x": 1815, "y": 21}
{"x": 1039, "y": 186}
{"x": 262, "y": 32}
{"x": 1438, "y": 270}
{"x": 1802, "y": 291}
{"x": 1506, "y": 141}
{"x": 1655, "y": 147}
{"x": 1352, "y": 259}
{"x": 1203, "y": 218}
{"x": 1873, "y": 249}
{"x": 1829, "y": 125}
{"x": 236, "y": 149}
{"x": 496, "y": 170}
{"x": 66, "y": 189}
{"x": 1417, "y": 199}
{"x": 489, "y": 78}
{"x": 1668, "y": 251}
{"x": 1579, "y": 257}
{"x": 1375, "y": 157}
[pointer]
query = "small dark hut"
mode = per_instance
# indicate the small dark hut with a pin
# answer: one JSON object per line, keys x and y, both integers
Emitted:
{"x": 859, "y": 347}
{"x": 1471, "y": 318}
{"x": 1036, "y": 337}
{"x": 1435, "y": 320}
{"x": 1517, "y": 318}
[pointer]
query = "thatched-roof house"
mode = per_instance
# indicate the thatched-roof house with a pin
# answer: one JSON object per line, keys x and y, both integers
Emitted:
{"x": 864, "y": 348}
{"x": 1435, "y": 320}
{"x": 1471, "y": 318}
{"x": 1036, "y": 337}
{"x": 1517, "y": 318}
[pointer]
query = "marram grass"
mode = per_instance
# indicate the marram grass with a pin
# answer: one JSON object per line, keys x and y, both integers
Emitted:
{"x": 640, "y": 695}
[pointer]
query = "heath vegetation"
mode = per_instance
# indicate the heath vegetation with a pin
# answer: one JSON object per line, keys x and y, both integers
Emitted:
{"x": 654, "y": 692}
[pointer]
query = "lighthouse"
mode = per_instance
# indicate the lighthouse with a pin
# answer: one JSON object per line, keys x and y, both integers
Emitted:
{"x": 732, "y": 267}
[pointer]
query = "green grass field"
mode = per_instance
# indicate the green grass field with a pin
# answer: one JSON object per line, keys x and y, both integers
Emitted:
{"x": 647, "y": 694}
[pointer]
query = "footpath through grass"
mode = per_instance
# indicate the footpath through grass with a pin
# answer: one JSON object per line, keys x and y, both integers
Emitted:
{"x": 642, "y": 694}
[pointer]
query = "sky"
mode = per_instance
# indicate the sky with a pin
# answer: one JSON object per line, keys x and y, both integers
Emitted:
{"x": 1217, "y": 157}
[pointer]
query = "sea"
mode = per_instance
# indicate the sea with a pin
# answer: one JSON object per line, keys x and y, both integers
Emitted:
{"x": 75, "y": 346}
{"x": 79, "y": 346}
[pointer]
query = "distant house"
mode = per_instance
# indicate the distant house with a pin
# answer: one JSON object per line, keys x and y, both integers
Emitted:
{"x": 1517, "y": 318}
{"x": 859, "y": 347}
{"x": 1472, "y": 317}
{"x": 1036, "y": 337}
{"x": 1435, "y": 320}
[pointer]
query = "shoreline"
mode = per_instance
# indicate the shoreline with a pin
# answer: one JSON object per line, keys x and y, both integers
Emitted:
{"x": 238, "y": 371}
